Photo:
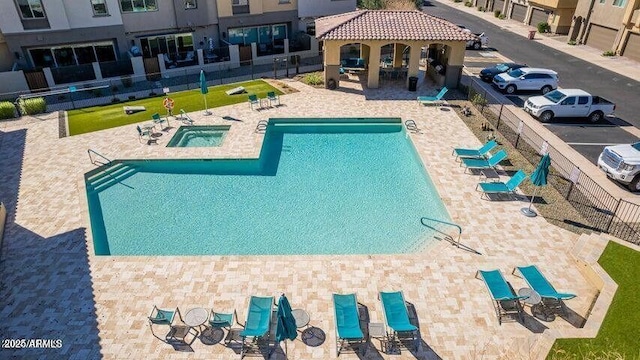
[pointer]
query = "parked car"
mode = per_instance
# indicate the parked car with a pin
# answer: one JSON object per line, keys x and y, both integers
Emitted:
{"x": 527, "y": 78}
{"x": 480, "y": 41}
{"x": 622, "y": 163}
{"x": 487, "y": 74}
{"x": 569, "y": 103}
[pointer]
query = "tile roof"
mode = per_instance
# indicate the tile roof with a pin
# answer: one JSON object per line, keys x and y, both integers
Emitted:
{"x": 388, "y": 25}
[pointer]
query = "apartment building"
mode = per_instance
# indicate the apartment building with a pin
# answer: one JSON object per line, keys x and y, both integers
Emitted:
{"x": 608, "y": 25}
{"x": 309, "y": 10}
{"x": 556, "y": 13}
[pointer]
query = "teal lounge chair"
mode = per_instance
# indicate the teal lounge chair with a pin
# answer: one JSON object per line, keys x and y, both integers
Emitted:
{"x": 490, "y": 163}
{"x": 502, "y": 188}
{"x": 542, "y": 286}
{"x": 157, "y": 120}
{"x": 475, "y": 153}
{"x": 396, "y": 317}
{"x": 253, "y": 100}
{"x": 273, "y": 98}
{"x": 257, "y": 326}
{"x": 505, "y": 301}
{"x": 347, "y": 323}
{"x": 428, "y": 100}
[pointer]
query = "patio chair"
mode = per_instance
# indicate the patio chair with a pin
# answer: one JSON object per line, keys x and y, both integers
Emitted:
{"x": 162, "y": 316}
{"x": 181, "y": 332}
{"x": 253, "y": 100}
{"x": 475, "y": 153}
{"x": 490, "y": 163}
{"x": 500, "y": 187}
{"x": 543, "y": 287}
{"x": 349, "y": 334}
{"x": 146, "y": 132}
{"x": 257, "y": 325}
{"x": 221, "y": 321}
{"x": 273, "y": 98}
{"x": 157, "y": 120}
{"x": 505, "y": 301}
{"x": 433, "y": 100}
{"x": 396, "y": 316}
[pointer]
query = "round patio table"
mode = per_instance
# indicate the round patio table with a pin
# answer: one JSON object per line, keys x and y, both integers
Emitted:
{"x": 302, "y": 317}
{"x": 196, "y": 317}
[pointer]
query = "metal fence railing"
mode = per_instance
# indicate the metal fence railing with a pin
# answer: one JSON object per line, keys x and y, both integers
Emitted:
{"x": 603, "y": 211}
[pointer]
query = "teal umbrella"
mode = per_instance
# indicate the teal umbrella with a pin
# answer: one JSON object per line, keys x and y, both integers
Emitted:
{"x": 286, "y": 328}
{"x": 204, "y": 89}
{"x": 538, "y": 178}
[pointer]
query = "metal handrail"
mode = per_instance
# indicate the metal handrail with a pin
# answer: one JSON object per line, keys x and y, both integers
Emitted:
{"x": 91, "y": 151}
{"x": 456, "y": 243}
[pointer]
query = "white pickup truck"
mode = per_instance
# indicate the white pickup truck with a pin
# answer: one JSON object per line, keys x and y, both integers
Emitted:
{"x": 622, "y": 163}
{"x": 569, "y": 103}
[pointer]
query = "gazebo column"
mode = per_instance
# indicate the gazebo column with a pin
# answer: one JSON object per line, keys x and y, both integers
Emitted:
{"x": 373, "y": 78}
{"x": 397, "y": 55}
{"x": 414, "y": 61}
{"x": 331, "y": 63}
{"x": 455, "y": 56}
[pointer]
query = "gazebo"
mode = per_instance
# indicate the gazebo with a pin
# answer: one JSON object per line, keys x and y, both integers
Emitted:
{"x": 408, "y": 32}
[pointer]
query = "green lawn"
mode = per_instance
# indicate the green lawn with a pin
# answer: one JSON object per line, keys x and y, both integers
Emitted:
{"x": 108, "y": 116}
{"x": 619, "y": 336}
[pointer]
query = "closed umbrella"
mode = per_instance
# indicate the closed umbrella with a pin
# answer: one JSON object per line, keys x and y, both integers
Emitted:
{"x": 286, "y": 328}
{"x": 538, "y": 178}
{"x": 204, "y": 89}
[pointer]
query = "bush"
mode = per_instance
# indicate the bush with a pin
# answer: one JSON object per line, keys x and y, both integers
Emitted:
{"x": 502, "y": 16}
{"x": 132, "y": 97}
{"x": 543, "y": 27}
{"x": 480, "y": 8}
{"x": 609, "y": 53}
{"x": 468, "y": 4}
{"x": 479, "y": 100}
{"x": 7, "y": 110}
{"x": 32, "y": 106}
{"x": 497, "y": 13}
{"x": 571, "y": 42}
{"x": 457, "y": 1}
{"x": 315, "y": 78}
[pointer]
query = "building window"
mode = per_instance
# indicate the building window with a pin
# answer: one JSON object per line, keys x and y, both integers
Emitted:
{"x": 602, "y": 1}
{"x": 172, "y": 45}
{"x": 99, "y": 7}
{"x": 138, "y": 5}
{"x": 284, "y": 1}
{"x": 190, "y": 4}
{"x": 74, "y": 54}
{"x": 31, "y": 9}
{"x": 620, "y": 3}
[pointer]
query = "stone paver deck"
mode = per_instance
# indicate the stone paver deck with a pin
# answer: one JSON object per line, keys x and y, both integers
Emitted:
{"x": 54, "y": 287}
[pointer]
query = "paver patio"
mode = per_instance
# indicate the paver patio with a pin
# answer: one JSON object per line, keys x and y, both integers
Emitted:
{"x": 54, "y": 287}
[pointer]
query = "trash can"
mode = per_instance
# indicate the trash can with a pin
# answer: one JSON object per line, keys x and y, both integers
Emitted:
{"x": 532, "y": 34}
{"x": 413, "y": 83}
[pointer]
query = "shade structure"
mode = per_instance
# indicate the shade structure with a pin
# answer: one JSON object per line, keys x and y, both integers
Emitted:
{"x": 204, "y": 89}
{"x": 538, "y": 178}
{"x": 286, "y": 328}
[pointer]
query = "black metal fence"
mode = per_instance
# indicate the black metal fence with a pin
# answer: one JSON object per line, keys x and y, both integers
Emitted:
{"x": 603, "y": 211}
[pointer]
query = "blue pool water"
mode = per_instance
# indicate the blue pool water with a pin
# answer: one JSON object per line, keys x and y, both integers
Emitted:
{"x": 316, "y": 189}
{"x": 198, "y": 136}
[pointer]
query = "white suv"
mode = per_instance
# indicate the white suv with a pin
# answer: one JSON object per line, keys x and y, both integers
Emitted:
{"x": 526, "y": 78}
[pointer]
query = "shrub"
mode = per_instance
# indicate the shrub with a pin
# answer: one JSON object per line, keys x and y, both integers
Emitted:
{"x": 480, "y": 8}
{"x": 502, "y": 16}
{"x": 32, "y": 106}
{"x": 609, "y": 53}
{"x": 544, "y": 27}
{"x": 313, "y": 79}
{"x": 132, "y": 97}
{"x": 457, "y": 1}
{"x": 126, "y": 81}
{"x": 468, "y": 4}
{"x": 571, "y": 42}
{"x": 479, "y": 100}
{"x": 497, "y": 13}
{"x": 7, "y": 110}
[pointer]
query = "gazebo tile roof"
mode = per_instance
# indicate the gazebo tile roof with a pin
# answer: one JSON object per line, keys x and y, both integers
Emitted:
{"x": 388, "y": 25}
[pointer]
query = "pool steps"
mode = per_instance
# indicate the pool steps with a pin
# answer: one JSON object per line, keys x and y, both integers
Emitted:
{"x": 110, "y": 176}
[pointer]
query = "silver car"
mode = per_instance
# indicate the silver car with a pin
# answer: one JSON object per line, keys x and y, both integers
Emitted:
{"x": 527, "y": 78}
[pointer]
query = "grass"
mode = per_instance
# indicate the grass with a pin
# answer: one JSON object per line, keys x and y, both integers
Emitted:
{"x": 108, "y": 116}
{"x": 618, "y": 336}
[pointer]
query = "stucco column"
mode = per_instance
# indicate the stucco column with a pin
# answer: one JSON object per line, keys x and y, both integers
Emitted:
{"x": 138, "y": 68}
{"x": 373, "y": 80}
{"x": 365, "y": 52}
{"x": 414, "y": 61}
{"x": 331, "y": 64}
{"x": 397, "y": 55}
{"x": 96, "y": 70}
{"x": 200, "y": 57}
{"x": 455, "y": 59}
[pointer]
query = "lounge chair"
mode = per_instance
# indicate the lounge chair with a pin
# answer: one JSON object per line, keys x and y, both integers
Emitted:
{"x": 543, "y": 287}
{"x": 144, "y": 132}
{"x": 349, "y": 334}
{"x": 490, "y": 163}
{"x": 500, "y": 187}
{"x": 221, "y": 321}
{"x": 505, "y": 301}
{"x": 475, "y": 153}
{"x": 253, "y": 100}
{"x": 157, "y": 120}
{"x": 257, "y": 325}
{"x": 162, "y": 316}
{"x": 396, "y": 317}
{"x": 273, "y": 98}
{"x": 435, "y": 100}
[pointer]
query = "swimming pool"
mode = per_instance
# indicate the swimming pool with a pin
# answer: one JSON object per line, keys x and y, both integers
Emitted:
{"x": 320, "y": 186}
{"x": 199, "y": 136}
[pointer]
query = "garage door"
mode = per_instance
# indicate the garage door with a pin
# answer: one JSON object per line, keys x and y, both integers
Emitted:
{"x": 538, "y": 16}
{"x": 632, "y": 50}
{"x": 601, "y": 38}
{"x": 518, "y": 12}
{"x": 498, "y": 5}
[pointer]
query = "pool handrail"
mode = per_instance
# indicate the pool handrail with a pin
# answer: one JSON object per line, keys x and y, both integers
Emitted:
{"x": 458, "y": 227}
{"x": 91, "y": 151}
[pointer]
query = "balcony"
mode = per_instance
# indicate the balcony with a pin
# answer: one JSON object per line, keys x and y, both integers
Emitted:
{"x": 555, "y": 4}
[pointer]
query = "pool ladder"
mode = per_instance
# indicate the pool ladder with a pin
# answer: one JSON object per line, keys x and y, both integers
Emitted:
{"x": 447, "y": 237}
{"x": 412, "y": 126}
{"x": 262, "y": 126}
{"x": 97, "y": 159}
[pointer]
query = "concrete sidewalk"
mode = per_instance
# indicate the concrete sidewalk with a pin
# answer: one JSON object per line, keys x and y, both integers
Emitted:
{"x": 618, "y": 64}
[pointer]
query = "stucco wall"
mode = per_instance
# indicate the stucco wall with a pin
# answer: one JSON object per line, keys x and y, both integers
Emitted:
{"x": 12, "y": 81}
{"x": 316, "y": 8}
{"x": 80, "y": 14}
{"x": 607, "y": 15}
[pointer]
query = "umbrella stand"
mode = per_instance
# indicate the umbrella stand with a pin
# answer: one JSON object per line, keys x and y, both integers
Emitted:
{"x": 526, "y": 211}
